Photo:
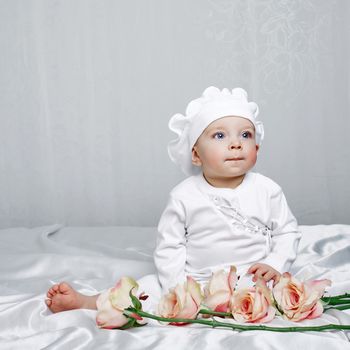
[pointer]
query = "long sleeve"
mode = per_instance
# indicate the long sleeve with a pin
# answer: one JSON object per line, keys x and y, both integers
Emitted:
{"x": 170, "y": 252}
{"x": 285, "y": 234}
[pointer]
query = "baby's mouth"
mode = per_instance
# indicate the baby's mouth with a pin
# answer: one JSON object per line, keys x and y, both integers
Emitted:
{"x": 234, "y": 159}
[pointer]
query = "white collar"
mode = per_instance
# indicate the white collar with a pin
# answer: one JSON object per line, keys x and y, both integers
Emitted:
{"x": 206, "y": 187}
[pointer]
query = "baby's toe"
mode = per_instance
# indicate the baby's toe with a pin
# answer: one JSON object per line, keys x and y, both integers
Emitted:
{"x": 55, "y": 288}
{"x": 64, "y": 288}
{"x": 52, "y": 291}
{"x": 48, "y": 302}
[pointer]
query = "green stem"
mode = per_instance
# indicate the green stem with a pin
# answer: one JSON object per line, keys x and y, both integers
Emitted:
{"x": 214, "y": 313}
{"x": 214, "y": 323}
{"x": 338, "y": 302}
{"x": 341, "y": 296}
{"x": 339, "y": 307}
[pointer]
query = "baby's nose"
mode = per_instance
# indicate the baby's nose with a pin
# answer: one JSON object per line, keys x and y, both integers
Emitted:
{"x": 235, "y": 145}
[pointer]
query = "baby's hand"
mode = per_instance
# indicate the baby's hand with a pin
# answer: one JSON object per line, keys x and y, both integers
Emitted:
{"x": 264, "y": 271}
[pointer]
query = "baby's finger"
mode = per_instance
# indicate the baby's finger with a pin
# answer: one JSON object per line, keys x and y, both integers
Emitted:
{"x": 269, "y": 275}
{"x": 254, "y": 267}
{"x": 259, "y": 273}
{"x": 276, "y": 279}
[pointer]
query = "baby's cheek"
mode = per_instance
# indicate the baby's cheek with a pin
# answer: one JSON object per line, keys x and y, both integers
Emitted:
{"x": 214, "y": 156}
{"x": 252, "y": 157}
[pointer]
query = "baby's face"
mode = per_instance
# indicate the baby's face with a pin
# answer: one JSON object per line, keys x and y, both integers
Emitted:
{"x": 226, "y": 148}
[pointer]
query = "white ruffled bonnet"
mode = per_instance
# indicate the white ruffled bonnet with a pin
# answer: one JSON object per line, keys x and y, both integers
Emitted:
{"x": 213, "y": 104}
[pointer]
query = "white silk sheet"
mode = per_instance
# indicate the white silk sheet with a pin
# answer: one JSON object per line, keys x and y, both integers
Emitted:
{"x": 92, "y": 259}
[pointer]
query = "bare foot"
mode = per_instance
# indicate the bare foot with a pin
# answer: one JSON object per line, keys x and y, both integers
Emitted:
{"x": 62, "y": 297}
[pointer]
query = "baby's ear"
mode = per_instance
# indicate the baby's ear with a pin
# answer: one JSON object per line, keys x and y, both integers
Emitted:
{"x": 195, "y": 157}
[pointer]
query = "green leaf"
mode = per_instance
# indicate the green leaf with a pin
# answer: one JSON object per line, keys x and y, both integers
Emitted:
{"x": 129, "y": 311}
{"x": 139, "y": 324}
{"x": 324, "y": 303}
{"x": 136, "y": 302}
{"x": 130, "y": 324}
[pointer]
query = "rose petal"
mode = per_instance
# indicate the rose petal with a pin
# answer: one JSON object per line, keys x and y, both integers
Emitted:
{"x": 225, "y": 307}
{"x": 299, "y": 316}
{"x": 166, "y": 305}
{"x": 183, "y": 301}
{"x": 119, "y": 295}
{"x": 190, "y": 308}
{"x": 218, "y": 282}
{"x": 232, "y": 278}
{"x": 271, "y": 312}
{"x": 212, "y": 301}
{"x": 240, "y": 317}
{"x": 194, "y": 289}
{"x": 318, "y": 286}
{"x": 180, "y": 293}
{"x": 110, "y": 319}
{"x": 317, "y": 311}
{"x": 108, "y": 316}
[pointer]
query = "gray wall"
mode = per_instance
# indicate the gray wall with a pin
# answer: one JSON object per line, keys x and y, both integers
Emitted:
{"x": 87, "y": 89}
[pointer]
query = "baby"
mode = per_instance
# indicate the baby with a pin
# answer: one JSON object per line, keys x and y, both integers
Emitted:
{"x": 222, "y": 214}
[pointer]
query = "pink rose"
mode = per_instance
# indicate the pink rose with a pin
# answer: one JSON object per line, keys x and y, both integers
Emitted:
{"x": 253, "y": 304}
{"x": 218, "y": 291}
{"x": 111, "y": 304}
{"x": 298, "y": 300}
{"x": 183, "y": 301}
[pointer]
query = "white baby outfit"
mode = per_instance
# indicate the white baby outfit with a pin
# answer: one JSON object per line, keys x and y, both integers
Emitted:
{"x": 204, "y": 229}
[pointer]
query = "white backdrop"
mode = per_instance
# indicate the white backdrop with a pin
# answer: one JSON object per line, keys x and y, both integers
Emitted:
{"x": 87, "y": 89}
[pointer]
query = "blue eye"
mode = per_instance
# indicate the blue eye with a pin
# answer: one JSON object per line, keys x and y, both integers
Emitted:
{"x": 219, "y": 135}
{"x": 246, "y": 134}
